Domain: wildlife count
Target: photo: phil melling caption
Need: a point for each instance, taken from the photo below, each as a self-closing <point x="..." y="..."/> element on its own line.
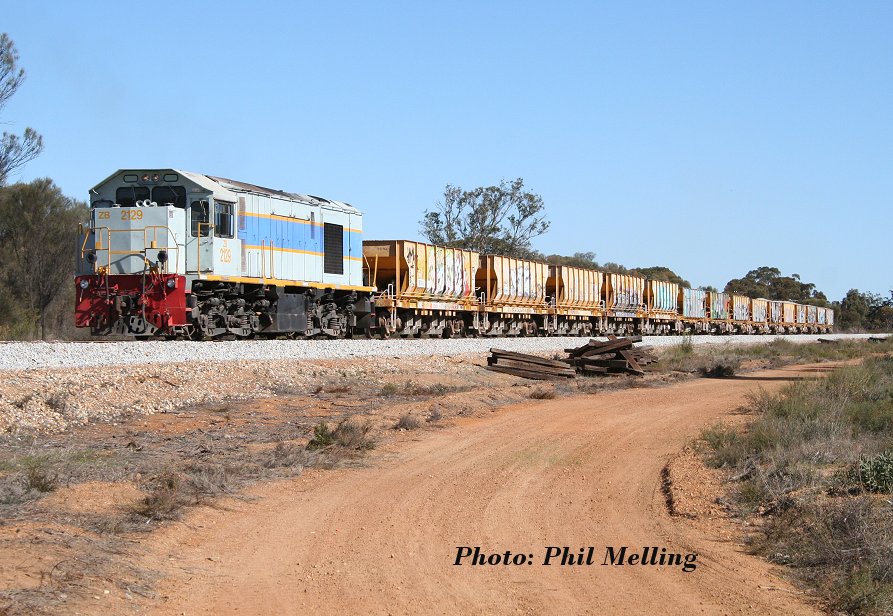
<point x="584" y="556"/>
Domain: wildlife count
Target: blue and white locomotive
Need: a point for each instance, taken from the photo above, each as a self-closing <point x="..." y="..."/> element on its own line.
<point x="173" y="253"/>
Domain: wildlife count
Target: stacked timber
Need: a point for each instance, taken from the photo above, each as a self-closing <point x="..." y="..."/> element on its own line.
<point x="528" y="366"/>
<point x="616" y="356"/>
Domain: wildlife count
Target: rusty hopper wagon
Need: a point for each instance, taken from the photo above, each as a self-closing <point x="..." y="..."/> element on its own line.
<point x="424" y="288"/>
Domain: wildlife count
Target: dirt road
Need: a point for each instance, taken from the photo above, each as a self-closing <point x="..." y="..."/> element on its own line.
<point x="576" y="472"/>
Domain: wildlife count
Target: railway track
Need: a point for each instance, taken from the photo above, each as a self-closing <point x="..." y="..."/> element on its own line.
<point x="78" y="354"/>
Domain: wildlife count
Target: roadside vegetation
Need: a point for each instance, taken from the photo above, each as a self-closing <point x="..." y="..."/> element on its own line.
<point x="813" y="473"/>
<point x="411" y="389"/>
<point x="727" y="359"/>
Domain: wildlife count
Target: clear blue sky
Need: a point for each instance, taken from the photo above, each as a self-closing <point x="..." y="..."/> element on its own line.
<point x="710" y="137"/>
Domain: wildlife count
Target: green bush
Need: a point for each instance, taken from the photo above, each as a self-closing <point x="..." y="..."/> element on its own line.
<point x="350" y="433"/>
<point x="323" y="437"/>
<point x="726" y="443"/>
<point x="876" y="472"/>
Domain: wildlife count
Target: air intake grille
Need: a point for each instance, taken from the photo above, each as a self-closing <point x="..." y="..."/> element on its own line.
<point x="333" y="248"/>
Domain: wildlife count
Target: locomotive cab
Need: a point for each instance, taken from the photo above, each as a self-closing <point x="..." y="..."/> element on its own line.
<point x="134" y="255"/>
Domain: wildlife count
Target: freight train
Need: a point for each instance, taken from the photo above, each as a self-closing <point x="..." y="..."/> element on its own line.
<point x="175" y="254"/>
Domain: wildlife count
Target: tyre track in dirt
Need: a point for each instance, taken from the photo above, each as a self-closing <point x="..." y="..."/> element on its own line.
<point x="581" y="471"/>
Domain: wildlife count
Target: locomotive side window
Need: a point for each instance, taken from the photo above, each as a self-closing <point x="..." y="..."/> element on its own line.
<point x="200" y="218"/>
<point x="127" y="196"/>
<point x="175" y="195"/>
<point x="223" y="218"/>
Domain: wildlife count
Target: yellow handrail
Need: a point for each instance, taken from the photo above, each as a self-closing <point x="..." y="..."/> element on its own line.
<point x="98" y="233"/>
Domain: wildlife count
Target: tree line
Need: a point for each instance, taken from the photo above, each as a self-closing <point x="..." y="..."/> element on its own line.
<point x="38" y="232"/>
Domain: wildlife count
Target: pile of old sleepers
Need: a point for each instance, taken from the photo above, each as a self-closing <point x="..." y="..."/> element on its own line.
<point x="616" y="356"/>
<point x="529" y="366"/>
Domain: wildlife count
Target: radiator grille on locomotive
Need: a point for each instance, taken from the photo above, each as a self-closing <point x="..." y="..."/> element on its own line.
<point x="333" y="247"/>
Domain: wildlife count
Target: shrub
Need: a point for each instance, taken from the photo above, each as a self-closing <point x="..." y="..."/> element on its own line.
<point x="413" y="389"/>
<point x="349" y="433"/>
<point x="207" y="479"/>
<point x="323" y="437"/>
<point x="720" y="370"/>
<point x="407" y="421"/>
<point x="726" y="443"/>
<point x="285" y="455"/>
<point x="876" y="472"/>
<point x="388" y="390"/>
<point x="542" y="393"/>
<point x="354" y="434"/>
<point x="39" y="478"/>
<point x="164" y="501"/>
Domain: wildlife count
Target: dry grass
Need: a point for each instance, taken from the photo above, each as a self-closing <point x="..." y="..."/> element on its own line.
<point x="412" y="389"/>
<point x="350" y="433"/>
<point x="40" y="478"/>
<point x="408" y="421"/>
<point x="542" y="393"/>
<point x="165" y="499"/>
<point x="29" y="476"/>
<point x="726" y="359"/>
<point x="816" y="464"/>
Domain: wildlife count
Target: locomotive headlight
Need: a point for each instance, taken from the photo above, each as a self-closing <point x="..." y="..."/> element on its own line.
<point x="162" y="256"/>
<point x="90" y="257"/>
<point x="171" y="283"/>
<point x="84" y="283"/>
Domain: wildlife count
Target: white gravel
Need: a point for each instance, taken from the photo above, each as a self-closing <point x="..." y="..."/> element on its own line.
<point x="26" y="355"/>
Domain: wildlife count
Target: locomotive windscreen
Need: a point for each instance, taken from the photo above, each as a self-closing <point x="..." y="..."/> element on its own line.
<point x="127" y="196"/>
